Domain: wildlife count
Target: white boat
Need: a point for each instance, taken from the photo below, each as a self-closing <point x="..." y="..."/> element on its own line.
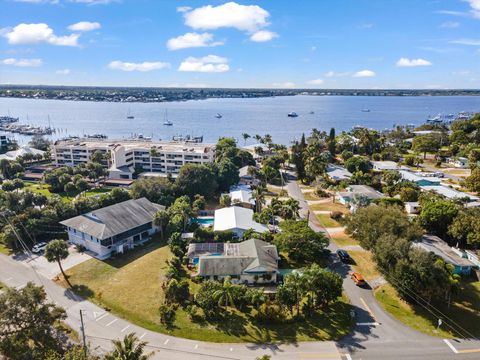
<point x="167" y="122"/>
<point x="292" y="114"/>
<point x="219" y="116"/>
<point x="129" y="115"/>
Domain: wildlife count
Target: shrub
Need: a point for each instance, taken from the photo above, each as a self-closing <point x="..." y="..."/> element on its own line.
<point x="336" y="215"/>
<point x="321" y="193"/>
<point x="192" y="311"/>
<point x="270" y="312"/>
<point x="167" y="314"/>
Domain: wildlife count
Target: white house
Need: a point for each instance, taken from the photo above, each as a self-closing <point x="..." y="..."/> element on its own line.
<point x="15" y="154"/>
<point x="450" y="193"/>
<point x="242" y="197"/>
<point x="459" y="162"/>
<point x="236" y="219"/>
<point x="384" y="165"/>
<point x="345" y="197"/>
<point x="337" y="173"/>
<point x="412" y="207"/>
<point x="113" y="228"/>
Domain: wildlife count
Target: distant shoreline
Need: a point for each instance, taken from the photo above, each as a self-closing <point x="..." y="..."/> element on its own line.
<point x="160" y="95"/>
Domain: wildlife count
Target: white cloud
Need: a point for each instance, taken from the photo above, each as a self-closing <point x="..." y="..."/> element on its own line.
<point x="192" y="39"/>
<point x="471" y="42"/>
<point x="22" y="62"/>
<point x="366" y="26"/>
<point x="263" y="36"/>
<point x="85" y="26"/>
<point x="206" y="64"/>
<point x="144" y="66"/>
<point x="39" y="1"/>
<point x="405" y="62"/>
<point x="475" y="7"/>
<point x="38" y="33"/>
<point x="315" y="82"/>
<point x="63" y="72"/>
<point x="248" y="18"/>
<point x="364" y="74"/>
<point x="330" y="74"/>
<point x="313" y="48"/>
<point x="450" y="24"/>
<point x="182" y="9"/>
<point x="284" y="85"/>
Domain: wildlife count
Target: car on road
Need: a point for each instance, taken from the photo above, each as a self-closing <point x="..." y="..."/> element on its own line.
<point x="344" y="256"/>
<point x="358" y="279"/>
<point x="39" y="247"/>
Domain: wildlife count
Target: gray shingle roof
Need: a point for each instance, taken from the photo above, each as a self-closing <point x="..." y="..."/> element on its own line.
<point x="248" y="256"/>
<point x="115" y="219"/>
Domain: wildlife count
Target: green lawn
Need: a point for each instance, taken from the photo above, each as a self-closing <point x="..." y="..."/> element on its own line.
<point x="364" y="264"/>
<point x="37" y="188"/>
<point x="327" y="221"/>
<point x="465" y="310"/>
<point x="342" y="239"/>
<point x="310" y="195"/>
<point x="97" y="191"/>
<point x="329" y="206"/>
<point x="130" y="286"/>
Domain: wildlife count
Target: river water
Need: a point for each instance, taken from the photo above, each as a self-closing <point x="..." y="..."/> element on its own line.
<point x="252" y="116"/>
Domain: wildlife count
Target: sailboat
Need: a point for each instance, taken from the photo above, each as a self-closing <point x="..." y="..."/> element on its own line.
<point x="167" y="122"/>
<point x="219" y="116"/>
<point x="129" y="115"/>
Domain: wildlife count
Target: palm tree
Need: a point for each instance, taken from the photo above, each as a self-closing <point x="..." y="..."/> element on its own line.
<point x="225" y="294"/>
<point x="161" y="219"/>
<point x="259" y="195"/>
<point x="245" y="138"/>
<point x="291" y="208"/>
<point x="258" y="138"/>
<point x="154" y="152"/>
<point x="130" y="348"/>
<point x="57" y="250"/>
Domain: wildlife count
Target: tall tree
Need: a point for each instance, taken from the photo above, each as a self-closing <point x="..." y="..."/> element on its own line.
<point x="224" y="295"/>
<point x="129" y="348"/>
<point x="245" y="138"/>
<point x="57" y="250"/>
<point x="426" y="143"/>
<point x="161" y="219"/>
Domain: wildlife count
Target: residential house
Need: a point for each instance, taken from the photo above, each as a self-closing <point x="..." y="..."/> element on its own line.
<point x="421" y="178"/>
<point x="246" y="178"/>
<point x="450" y="193"/>
<point x="337" y="173"/>
<point x="113" y="228"/>
<point x="458" y="162"/>
<point x="242" y="197"/>
<point x="454" y="256"/>
<point x="412" y="207"/>
<point x="236" y="219"/>
<point x="15" y="154"/>
<point x="353" y="191"/>
<point x="384" y="165"/>
<point x="248" y="262"/>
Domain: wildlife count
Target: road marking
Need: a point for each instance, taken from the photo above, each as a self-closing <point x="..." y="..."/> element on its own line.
<point x="196" y="346"/>
<point x="322" y="356"/>
<point x="166" y="342"/>
<point x="101" y="316"/>
<point x="141" y="337"/>
<point x="368" y="324"/>
<point x="450" y="346"/>
<point x="467" y="351"/>
<point x="111" y="322"/>
<point x="348" y="356"/>
<point x="231" y="349"/>
<point x="125" y="328"/>
<point x="368" y="308"/>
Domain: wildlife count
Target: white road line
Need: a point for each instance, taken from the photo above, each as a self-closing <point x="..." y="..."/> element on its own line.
<point x="111" y="322"/>
<point x="231" y="349"/>
<point x="368" y="324"/>
<point x="125" y="328"/>
<point x="166" y="342"/>
<point x="348" y="356"/>
<point x="10" y="278"/>
<point x="101" y="317"/>
<point x="196" y="346"/>
<point x="450" y="346"/>
<point x="141" y="337"/>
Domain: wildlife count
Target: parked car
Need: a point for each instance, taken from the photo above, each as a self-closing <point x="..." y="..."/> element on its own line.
<point x="358" y="279"/>
<point x="344" y="256"/>
<point x="39" y="247"/>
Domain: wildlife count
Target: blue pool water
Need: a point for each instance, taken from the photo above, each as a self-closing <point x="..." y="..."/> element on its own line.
<point x="195" y="260"/>
<point x="206" y="221"/>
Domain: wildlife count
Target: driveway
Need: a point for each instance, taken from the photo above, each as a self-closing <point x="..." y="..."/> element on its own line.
<point x="50" y="270"/>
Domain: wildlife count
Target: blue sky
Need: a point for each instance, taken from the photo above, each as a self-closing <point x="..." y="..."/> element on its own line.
<point x="210" y="43"/>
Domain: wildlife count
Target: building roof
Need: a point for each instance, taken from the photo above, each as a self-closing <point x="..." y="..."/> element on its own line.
<point x="448" y="192"/>
<point x="115" y="219"/>
<point x="440" y="248"/>
<point x="385" y="165"/>
<point x="250" y="256"/>
<point x="235" y="217"/>
<point x="14" y="154"/>
<point x="243" y="172"/>
<point x="242" y="196"/>
<point x="364" y="190"/>
<point x="417" y="177"/>
<point x="338" y="173"/>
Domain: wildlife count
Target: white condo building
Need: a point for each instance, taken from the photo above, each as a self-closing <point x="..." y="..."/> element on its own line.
<point x="127" y="155"/>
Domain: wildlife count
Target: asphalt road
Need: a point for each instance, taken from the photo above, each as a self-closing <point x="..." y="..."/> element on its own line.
<point x="376" y="336"/>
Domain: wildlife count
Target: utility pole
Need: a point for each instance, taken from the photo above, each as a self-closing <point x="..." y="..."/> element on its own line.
<point x="83" y="334"/>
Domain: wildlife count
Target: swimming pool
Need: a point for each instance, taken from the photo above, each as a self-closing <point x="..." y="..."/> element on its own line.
<point x="204" y="220"/>
<point x="195" y="260"/>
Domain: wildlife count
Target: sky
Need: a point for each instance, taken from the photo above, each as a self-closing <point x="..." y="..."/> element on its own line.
<point x="328" y="44"/>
